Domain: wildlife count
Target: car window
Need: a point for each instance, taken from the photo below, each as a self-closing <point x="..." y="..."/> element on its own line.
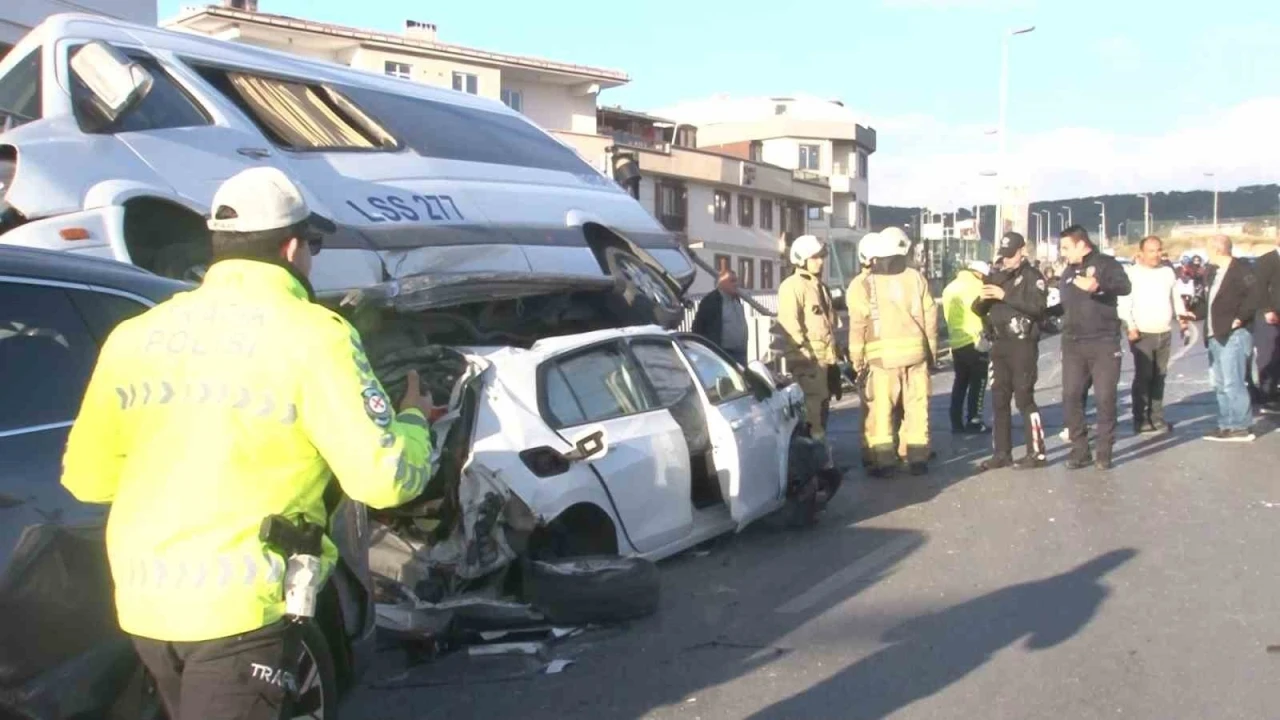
<point x="20" y="92"/>
<point x="299" y="115"/>
<point x="167" y="105"/>
<point x="560" y="401"/>
<point x="664" y="369"/>
<point x="103" y="311"/>
<point x="718" y="377"/>
<point x="601" y="383"/>
<point x="47" y="355"/>
<point x="453" y="132"/>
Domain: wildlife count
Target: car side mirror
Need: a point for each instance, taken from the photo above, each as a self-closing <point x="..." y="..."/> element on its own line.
<point x="116" y="83"/>
<point x="725" y="387"/>
<point x="592" y="445"/>
<point x="761" y="371"/>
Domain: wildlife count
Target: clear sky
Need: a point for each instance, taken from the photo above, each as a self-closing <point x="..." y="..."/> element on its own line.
<point x="1106" y="96"/>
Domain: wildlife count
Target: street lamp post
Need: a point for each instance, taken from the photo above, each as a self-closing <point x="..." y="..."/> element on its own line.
<point x="1001" y="128"/>
<point x="1069" y="221"/>
<point x="1146" y="215"/>
<point x="1215" y="199"/>
<point x="1102" y="226"/>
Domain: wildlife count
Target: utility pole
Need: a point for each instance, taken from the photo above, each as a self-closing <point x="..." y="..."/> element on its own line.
<point x="1069" y="220"/>
<point x="1039" y="228"/>
<point x="1102" y="226"/>
<point x="1002" y="128"/>
<point x="1215" y="199"/>
<point x="1146" y="215"/>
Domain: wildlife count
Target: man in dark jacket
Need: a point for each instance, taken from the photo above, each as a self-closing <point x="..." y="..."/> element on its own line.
<point x="1233" y="303"/>
<point x="1013" y="304"/>
<point x="722" y="319"/>
<point x="1091" y="336"/>
<point x="1266" y="329"/>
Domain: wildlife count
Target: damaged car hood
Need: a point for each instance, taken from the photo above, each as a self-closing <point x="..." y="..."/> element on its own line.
<point x="428" y="292"/>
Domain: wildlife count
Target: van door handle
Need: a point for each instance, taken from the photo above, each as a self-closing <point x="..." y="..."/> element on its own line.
<point x="255" y="153"/>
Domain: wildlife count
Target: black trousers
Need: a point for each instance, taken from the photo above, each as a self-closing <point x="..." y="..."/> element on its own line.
<point x="233" y="678"/>
<point x="1014" y="373"/>
<point x="1150" y="368"/>
<point x="1096" y="361"/>
<point x="969" y="386"/>
<point x="1266" y="341"/>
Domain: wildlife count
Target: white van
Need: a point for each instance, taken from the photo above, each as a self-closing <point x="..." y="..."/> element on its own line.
<point x="116" y="136"/>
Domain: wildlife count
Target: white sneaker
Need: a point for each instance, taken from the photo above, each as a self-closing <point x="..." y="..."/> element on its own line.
<point x="1065" y="435"/>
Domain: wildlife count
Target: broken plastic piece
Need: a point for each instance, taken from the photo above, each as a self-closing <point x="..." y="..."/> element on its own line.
<point x="524" y="648"/>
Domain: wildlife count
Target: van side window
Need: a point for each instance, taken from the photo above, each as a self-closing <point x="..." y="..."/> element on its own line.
<point x="167" y="105"/>
<point x="20" y="92"/>
<point x="456" y="132"/>
<point x="298" y="115"/>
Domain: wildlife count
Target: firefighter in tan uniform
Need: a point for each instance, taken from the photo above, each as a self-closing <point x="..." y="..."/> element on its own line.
<point x="808" y="322"/>
<point x="893" y="338"/>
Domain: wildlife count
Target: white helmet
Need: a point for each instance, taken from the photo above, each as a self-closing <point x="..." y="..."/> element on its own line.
<point x="805" y="247"/>
<point x="869" y="248"/>
<point x="896" y="241"/>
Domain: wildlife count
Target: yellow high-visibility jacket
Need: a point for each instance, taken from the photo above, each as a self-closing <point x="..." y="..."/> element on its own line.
<point x="899" y="328"/>
<point x="808" y="320"/>
<point x="211" y="411"/>
<point x="964" y="327"/>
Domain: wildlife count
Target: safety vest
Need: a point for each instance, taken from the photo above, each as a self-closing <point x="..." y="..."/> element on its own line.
<point x="224" y="405"/>
<point x="893" y="320"/>
<point x="963" y="324"/>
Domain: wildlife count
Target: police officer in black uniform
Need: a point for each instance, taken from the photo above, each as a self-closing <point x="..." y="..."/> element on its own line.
<point x="1013" y="304"/>
<point x="1091" y="336"/>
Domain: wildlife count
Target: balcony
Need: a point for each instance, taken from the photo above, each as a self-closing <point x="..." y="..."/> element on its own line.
<point x="841" y="183"/>
<point x="809" y="176"/>
<point x="621" y="137"/>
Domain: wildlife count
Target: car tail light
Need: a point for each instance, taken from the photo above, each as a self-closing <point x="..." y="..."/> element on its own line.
<point x="544" y="462"/>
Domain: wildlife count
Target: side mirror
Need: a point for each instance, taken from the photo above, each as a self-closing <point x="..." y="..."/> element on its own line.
<point x="590" y="446"/>
<point x="760" y="370"/>
<point x="116" y="83"/>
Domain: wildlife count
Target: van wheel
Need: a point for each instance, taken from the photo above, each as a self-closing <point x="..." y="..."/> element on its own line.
<point x="642" y="295"/>
<point x="316" y="677"/>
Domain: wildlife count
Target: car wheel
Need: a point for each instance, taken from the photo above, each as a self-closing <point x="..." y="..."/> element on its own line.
<point x="600" y="589"/>
<point x="316" y="677"/>
<point x="643" y="295"/>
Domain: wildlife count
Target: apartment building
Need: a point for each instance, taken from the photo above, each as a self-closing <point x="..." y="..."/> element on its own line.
<point x="817" y="139"/>
<point x="734" y="212"/>
<point x="17" y="17"/>
<point x="556" y="95"/>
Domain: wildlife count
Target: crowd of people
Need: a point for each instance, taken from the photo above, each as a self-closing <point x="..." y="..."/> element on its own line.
<point x="996" y="314"/>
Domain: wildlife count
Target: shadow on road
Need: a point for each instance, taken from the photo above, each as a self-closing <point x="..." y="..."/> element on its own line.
<point x="931" y="652"/>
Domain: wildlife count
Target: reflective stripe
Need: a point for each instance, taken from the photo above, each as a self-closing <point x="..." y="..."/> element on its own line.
<point x="246" y="569"/>
<point x="263" y="404"/>
<point x="412" y="418"/>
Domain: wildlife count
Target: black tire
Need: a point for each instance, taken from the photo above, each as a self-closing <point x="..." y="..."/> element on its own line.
<point x="641" y="295"/>
<point x="599" y="589"/>
<point x="316" y="676"/>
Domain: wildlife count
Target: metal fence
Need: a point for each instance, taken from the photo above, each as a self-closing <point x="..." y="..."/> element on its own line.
<point x="760" y="327"/>
<point x="1242" y="230"/>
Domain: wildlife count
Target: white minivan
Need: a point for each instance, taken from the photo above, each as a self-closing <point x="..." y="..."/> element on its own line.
<point x="116" y="136"/>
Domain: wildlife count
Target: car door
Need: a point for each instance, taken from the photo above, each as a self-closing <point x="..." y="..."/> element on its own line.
<point x="749" y="456"/>
<point x="646" y="467"/>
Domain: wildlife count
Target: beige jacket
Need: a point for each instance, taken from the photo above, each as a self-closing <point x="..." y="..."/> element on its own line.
<point x="900" y="328"/>
<point x="808" y="320"/>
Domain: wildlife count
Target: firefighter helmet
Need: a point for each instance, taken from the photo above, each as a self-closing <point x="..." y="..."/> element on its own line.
<point x="805" y="247"/>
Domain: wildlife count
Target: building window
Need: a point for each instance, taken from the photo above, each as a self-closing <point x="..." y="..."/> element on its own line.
<point x="815" y="212"/>
<point x="766" y="274"/>
<point x="756" y="152"/>
<point x="723" y="264"/>
<point x="779" y="109"/>
<point x="670" y="205"/>
<point x="810" y="157"/>
<point x="513" y="99"/>
<point x="723" y="207"/>
<point x="862" y="164"/>
<point x="746" y="210"/>
<point x="861" y="220"/>
<point x="766" y="214"/>
<point x="397" y="69"/>
<point x="466" y="82"/>
<point x="747" y="273"/>
<point x="792" y="219"/>
<point x="687" y="136"/>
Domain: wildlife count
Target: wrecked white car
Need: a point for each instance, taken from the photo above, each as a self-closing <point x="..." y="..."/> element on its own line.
<point x="620" y="442"/>
<point x="114" y="137"/>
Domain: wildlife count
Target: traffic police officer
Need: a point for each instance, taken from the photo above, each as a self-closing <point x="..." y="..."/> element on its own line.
<point x="893" y="339"/>
<point x="1013" y="303"/>
<point x="808" y="323"/>
<point x="225" y="406"/>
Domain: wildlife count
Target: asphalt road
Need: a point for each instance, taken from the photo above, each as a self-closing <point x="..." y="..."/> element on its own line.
<point x="1149" y="591"/>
